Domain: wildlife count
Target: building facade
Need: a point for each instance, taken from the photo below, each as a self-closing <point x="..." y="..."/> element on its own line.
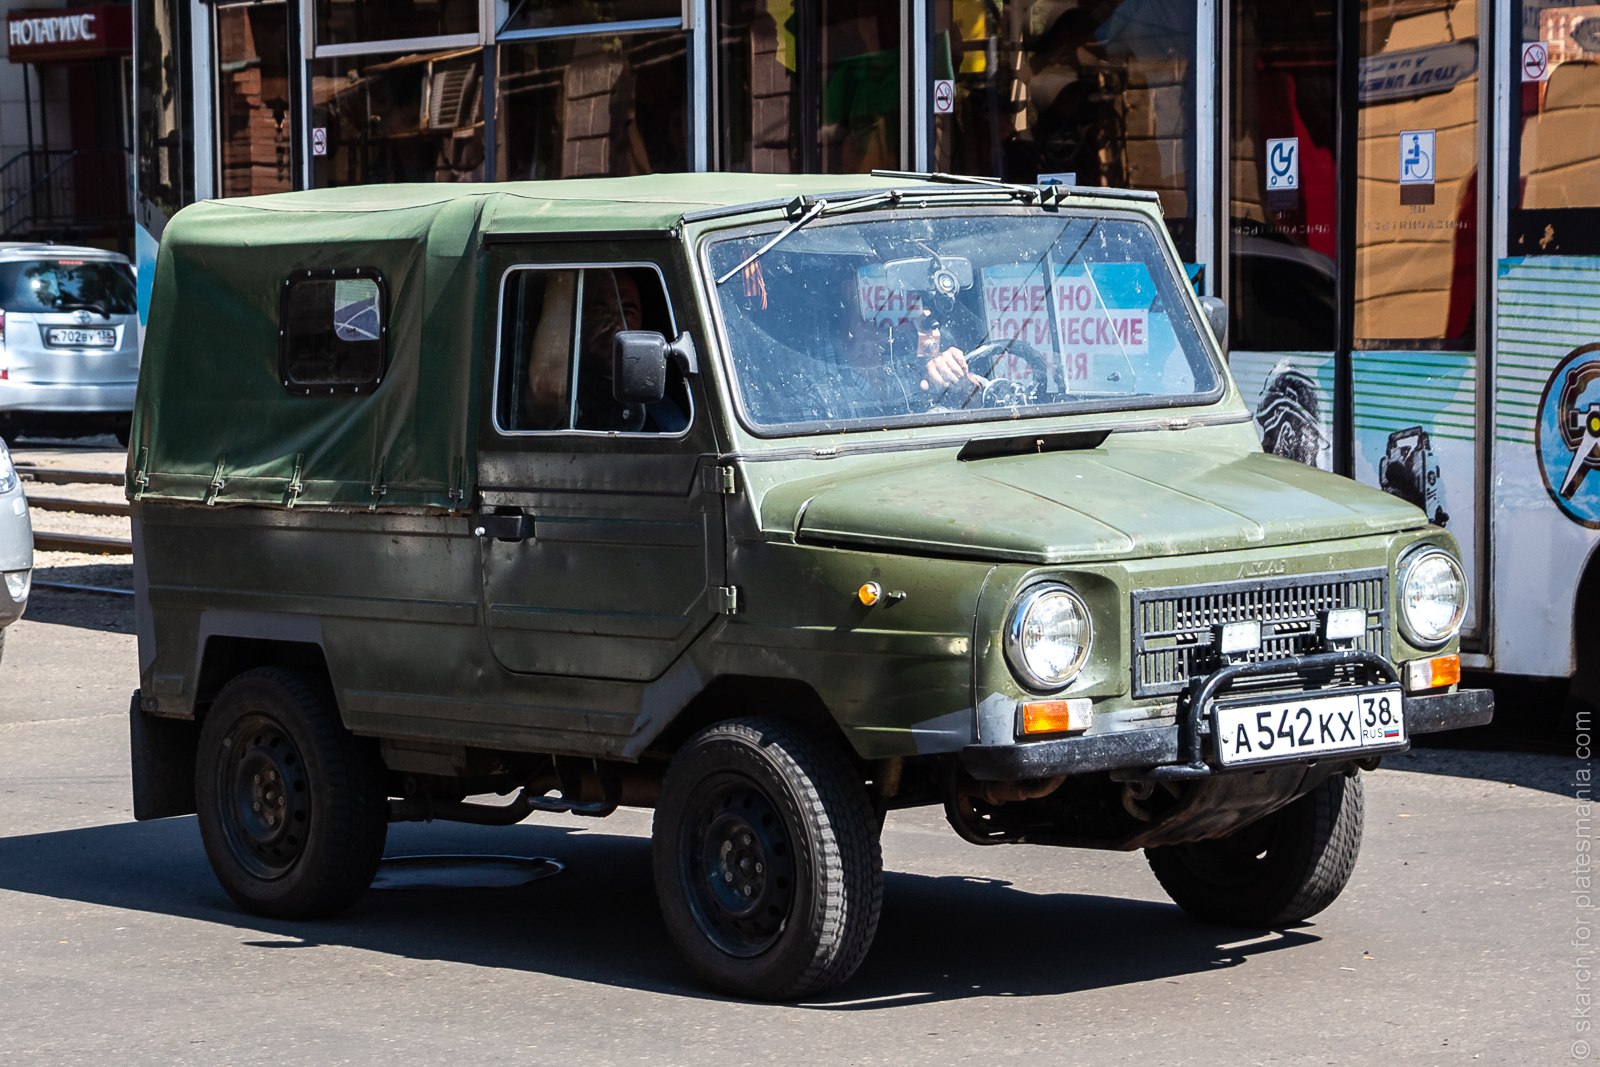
<point x="66" y="81"/>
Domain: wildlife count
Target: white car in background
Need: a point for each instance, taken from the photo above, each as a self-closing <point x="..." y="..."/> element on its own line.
<point x="69" y="341"/>
<point x="16" y="546"/>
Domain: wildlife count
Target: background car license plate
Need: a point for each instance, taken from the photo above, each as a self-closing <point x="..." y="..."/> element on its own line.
<point x="1305" y="725"/>
<point x="102" y="338"/>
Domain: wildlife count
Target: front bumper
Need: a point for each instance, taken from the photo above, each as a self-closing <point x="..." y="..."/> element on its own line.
<point x="1162" y="747"/>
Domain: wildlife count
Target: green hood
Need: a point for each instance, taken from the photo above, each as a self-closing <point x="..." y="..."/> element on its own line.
<point x="1136" y="496"/>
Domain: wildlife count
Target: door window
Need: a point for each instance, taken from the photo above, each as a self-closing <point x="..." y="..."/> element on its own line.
<point x="557" y="330"/>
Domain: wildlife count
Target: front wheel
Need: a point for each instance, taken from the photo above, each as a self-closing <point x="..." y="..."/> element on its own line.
<point x="291" y="806"/>
<point x="1278" y="870"/>
<point x="767" y="861"/>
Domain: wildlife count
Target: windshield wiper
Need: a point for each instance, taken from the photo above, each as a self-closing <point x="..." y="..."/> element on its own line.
<point x="804" y="209"/>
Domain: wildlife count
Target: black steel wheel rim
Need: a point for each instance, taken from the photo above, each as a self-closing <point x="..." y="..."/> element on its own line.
<point x="737" y="859"/>
<point x="263" y="797"/>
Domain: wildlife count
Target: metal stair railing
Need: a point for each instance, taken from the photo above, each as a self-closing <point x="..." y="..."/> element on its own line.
<point x="62" y="188"/>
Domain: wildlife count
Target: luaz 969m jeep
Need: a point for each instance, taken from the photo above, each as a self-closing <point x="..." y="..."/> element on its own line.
<point x="772" y="504"/>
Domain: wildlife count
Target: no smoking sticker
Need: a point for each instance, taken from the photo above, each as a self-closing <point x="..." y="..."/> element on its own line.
<point x="1536" y="62"/>
<point x="944" y="96"/>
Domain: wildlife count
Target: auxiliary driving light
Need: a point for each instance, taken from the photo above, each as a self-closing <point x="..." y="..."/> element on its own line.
<point x="1344" y="624"/>
<point x="1240" y="636"/>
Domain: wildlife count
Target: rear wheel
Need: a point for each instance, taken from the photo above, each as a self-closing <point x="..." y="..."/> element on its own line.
<point x="1275" y="871"/>
<point x="291" y="806"/>
<point x="767" y="861"/>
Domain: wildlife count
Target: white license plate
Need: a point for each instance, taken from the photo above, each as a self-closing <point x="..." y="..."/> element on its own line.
<point x="1308" y="725"/>
<point x="81" y="338"/>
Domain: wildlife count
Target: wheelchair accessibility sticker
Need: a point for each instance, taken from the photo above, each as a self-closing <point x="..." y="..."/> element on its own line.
<point x="1567" y="435"/>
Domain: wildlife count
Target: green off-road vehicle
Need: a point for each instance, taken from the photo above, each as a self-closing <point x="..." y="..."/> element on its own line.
<point x="770" y="503"/>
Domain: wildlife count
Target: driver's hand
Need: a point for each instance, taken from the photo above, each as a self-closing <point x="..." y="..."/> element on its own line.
<point x="944" y="367"/>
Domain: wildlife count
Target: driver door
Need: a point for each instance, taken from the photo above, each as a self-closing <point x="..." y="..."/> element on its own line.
<point x="601" y="543"/>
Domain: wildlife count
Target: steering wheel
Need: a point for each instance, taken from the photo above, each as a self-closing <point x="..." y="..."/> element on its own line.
<point x="1005" y="392"/>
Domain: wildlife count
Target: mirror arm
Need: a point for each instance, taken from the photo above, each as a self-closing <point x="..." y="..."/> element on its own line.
<point x="682" y="353"/>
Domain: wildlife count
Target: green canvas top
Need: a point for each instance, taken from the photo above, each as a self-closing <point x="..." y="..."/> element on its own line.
<point x="213" y="421"/>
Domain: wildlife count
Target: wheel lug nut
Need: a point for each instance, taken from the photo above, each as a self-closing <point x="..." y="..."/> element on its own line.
<point x="727" y="876"/>
<point x="745" y="840"/>
<point x="256" y="779"/>
<point x="747" y="890"/>
<point x="759" y="868"/>
<point x="256" y="806"/>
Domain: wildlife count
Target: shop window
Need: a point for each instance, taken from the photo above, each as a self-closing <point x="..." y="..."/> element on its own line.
<point x="808" y="87"/>
<point x="334" y="332"/>
<point x="557" y="329"/>
<point x="1095" y="94"/>
<point x="1416" y="239"/>
<point x="411" y="118"/>
<point x="1555" y="176"/>
<point x="1283" y="192"/>
<point x="592" y="106"/>
<point x="253" y="100"/>
<point x="345" y="22"/>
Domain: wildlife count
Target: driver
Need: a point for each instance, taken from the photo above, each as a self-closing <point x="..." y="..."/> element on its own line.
<point x="872" y="379"/>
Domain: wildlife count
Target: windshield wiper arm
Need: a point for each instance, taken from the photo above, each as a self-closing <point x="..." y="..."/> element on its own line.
<point x="808" y="209"/>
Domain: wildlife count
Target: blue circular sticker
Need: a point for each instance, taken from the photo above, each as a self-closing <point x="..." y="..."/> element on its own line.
<point x="1567" y="436"/>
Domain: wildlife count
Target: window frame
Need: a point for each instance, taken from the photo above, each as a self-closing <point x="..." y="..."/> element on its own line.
<point x="576" y="353"/>
<point x="333" y="274"/>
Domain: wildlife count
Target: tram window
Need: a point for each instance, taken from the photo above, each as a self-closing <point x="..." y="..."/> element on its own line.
<point x="809" y="87"/>
<point x="1101" y="95"/>
<point x="409" y="118"/>
<point x="602" y="105"/>
<point x="1555" y="185"/>
<point x="1416" y="235"/>
<point x="165" y="107"/>
<point x="389" y="20"/>
<point x="1284" y="191"/>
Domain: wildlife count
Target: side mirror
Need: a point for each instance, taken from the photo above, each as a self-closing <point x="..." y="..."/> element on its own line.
<point x="1217" y="316"/>
<point x="639" y="364"/>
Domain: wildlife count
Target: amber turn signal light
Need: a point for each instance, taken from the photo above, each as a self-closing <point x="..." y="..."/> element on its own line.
<point x="1056" y="716"/>
<point x="1435" y="673"/>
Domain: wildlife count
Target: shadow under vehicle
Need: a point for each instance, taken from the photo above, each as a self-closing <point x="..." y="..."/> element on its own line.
<point x="769" y="503"/>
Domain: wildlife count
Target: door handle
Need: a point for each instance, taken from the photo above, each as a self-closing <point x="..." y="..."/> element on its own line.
<point x="508" y="526"/>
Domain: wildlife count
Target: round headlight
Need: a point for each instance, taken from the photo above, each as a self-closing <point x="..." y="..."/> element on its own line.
<point x="1433" y="597"/>
<point x="1048" y="636"/>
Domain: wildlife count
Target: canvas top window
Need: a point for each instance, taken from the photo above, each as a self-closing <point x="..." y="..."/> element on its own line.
<point x="335" y="332"/>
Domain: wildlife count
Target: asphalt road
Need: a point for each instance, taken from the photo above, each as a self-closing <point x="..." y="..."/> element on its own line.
<point x="1452" y="945"/>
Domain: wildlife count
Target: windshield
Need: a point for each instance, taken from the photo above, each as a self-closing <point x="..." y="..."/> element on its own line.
<point x="860" y="322"/>
<point x="67" y="285"/>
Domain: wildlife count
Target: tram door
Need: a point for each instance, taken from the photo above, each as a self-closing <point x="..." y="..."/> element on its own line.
<point x="1354" y="275"/>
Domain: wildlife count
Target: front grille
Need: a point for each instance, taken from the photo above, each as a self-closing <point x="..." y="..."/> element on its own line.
<point x="1175" y="630"/>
